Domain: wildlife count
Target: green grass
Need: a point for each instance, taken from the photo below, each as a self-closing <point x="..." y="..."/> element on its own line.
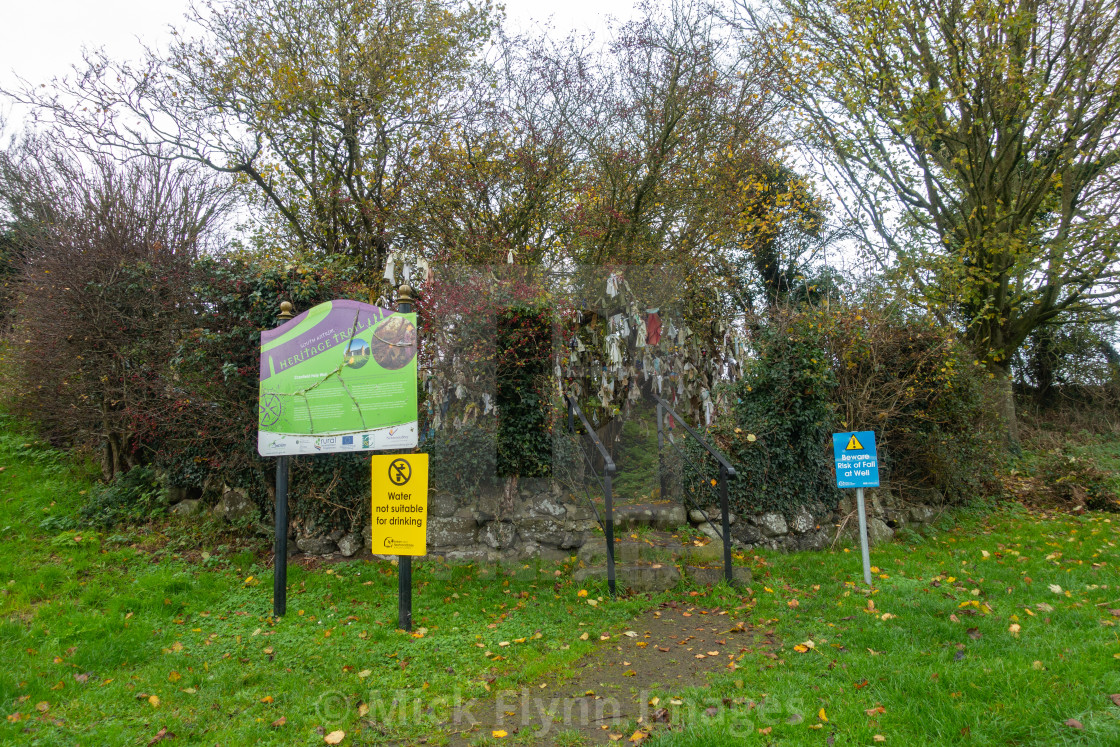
<point x="198" y="635"/>
<point x="936" y="683"/>
<point x="92" y="628"/>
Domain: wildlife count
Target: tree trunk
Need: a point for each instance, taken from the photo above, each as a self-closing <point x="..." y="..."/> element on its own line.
<point x="1005" y="406"/>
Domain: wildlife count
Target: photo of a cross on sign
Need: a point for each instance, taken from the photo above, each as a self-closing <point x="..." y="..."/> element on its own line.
<point x="400" y="471"/>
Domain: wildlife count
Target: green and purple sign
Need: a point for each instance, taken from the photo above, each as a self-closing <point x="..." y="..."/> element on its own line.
<point x="339" y="377"/>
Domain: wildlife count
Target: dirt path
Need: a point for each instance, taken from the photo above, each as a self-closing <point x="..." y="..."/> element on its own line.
<point x="641" y="673"/>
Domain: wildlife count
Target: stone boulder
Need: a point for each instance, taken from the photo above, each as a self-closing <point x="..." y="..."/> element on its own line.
<point x="188" y="507"/>
<point x="802" y="521"/>
<point x="452" y="531"/>
<point x="234" y="505"/>
<point x="711" y="531"/>
<point x="878" y="531"/>
<point x="316" y="544"/>
<point x="922" y="514"/>
<point x="745" y="534"/>
<point x="772" y="524"/>
<point x="349" y="544"/>
<point x="498" y="534"/>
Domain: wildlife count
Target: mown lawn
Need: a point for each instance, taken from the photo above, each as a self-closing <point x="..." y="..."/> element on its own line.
<point x="108" y="640"/>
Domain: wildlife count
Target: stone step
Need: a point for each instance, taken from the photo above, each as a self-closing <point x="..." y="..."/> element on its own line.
<point x="638" y="577"/>
<point x="653" y="515"/>
<point x="630" y="551"/>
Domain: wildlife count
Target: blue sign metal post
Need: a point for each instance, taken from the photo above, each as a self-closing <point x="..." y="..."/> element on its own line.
<point x="857" y="466"/>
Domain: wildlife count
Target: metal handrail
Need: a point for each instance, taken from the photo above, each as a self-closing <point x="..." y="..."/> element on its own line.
<point x="607" y="522"/>
<point x="726" y="472"/>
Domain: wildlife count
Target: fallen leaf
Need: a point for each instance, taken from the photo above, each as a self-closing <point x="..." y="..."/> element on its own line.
<point x="765" y="730"/>
<point x="974" y="634"/>
<point x="638" y="736"/>
<point x="875" y="711"/>
<point x="822" y="716"/>
<point x="279" y="722"/>
<point x="1115" y="699"/>
<point x="363" y="710"/>
<point x="266" y="699"/>
<point x="499" y="733"/>
<point x="174" y="676"/>
<point x="879" y="738"/>
<point x="161" y="735"/>
<point x="1057" y="590"/>
<point x="1013" y="629"/>
<point x="630" y="634"/>
<point x="154" y="700"/>
<point x="660" y="716"/>
<point x="42" y="706"/>
<point x="584" y="637"/>
<point x="1073" y="723"/>
<point x="335" y="737"/>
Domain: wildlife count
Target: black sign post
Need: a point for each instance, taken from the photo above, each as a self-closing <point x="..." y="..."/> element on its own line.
<point x="280" y="552"/>
<point x="404" y="562"/>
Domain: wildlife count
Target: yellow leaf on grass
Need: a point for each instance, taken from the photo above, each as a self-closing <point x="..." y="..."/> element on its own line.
<point x="154" y="700"/>
<point x="174" y="676"/>
<point x="363" y="710"/>
<point x="1013" y="629"/>
<point x="638" y="736"/>
<point x="821" y="715"/>
<point x="499" y="733"/>
<point x="879" y="738"/>
<point x="266" y="699"/>
<point x="581" y="593"/>
<point x="800" y="648"/>
<point x="335" y="737"/>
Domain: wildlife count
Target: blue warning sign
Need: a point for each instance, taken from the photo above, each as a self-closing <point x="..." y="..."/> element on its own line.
<point x="857" y="464"/>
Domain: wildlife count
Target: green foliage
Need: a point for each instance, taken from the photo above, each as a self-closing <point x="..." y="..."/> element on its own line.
<point x="927" y="399"/>
<point x="815" y="372"/>
<point x="132" y="497"/>
<point x="463" y="460"/>
<point x="778" y="432"/>
<point x="525" y="411"/>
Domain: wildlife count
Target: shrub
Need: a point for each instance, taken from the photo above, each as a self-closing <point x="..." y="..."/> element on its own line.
<point x="778" y="427"/>
<point x="815" y="372"/>
<point x="132" y="497"/>
<point x="926" y="397"/>
<point x="210" y="433"/>
<point x="101" y="296"/>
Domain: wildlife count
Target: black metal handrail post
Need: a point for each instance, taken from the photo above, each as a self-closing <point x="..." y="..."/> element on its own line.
<point x="726" y="471"/>
<point x="608" y="498"/>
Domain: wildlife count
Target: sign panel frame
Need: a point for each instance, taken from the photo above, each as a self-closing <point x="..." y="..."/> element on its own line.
<point x="340" y="377"/>
<point x="856" y="459"/>
<point x="399" y="504"/>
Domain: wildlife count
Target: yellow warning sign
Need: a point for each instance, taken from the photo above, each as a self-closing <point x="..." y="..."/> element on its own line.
<point x="400" y="504"/>
<point x="853" y="444"/>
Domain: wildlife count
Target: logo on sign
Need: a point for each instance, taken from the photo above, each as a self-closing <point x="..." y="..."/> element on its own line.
<point x="400" y="472"/>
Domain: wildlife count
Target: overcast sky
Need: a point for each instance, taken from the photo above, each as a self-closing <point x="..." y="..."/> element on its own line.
<point x="40" y="39"/>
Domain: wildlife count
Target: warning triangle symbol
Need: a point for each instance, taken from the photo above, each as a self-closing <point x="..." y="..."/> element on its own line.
<point x="853" y="444"/>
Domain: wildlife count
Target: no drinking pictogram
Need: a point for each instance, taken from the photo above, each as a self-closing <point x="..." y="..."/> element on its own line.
<point x="400" y="472"/>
